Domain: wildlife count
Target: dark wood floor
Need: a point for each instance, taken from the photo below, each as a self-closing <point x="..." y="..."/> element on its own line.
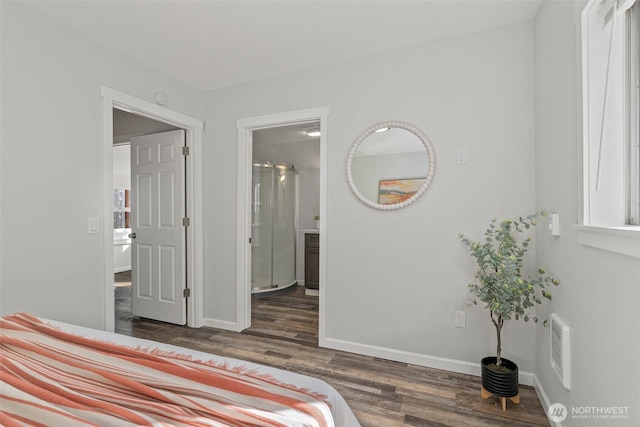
<point x="381" y="393"/>
<point x="288" y="315"/>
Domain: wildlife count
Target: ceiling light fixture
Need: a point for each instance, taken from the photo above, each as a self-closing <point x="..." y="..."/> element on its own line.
<point x="313" y="132"/>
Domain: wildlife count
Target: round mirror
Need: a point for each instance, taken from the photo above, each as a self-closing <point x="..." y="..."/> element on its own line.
<point x="390" y="165"/>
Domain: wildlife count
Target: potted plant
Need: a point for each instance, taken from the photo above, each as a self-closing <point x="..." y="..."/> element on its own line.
<point x="316" y="218"/>
<point x="507" y="292"/>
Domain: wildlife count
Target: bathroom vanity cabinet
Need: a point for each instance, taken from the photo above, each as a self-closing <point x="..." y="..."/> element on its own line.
<point x="312" y="260"/>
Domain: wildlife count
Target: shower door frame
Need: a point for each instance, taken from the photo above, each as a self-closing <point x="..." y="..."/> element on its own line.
<point x="245" y="127"/>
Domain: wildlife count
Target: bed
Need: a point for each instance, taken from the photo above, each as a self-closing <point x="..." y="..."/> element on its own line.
<point x="54" y="373"/>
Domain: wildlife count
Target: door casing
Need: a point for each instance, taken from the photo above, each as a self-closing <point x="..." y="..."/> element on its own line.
<point x="246" y="127"/>
<point x="193" y="135"/>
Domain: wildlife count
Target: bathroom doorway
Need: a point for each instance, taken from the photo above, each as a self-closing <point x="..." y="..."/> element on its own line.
<point x="285" y="199"/>
<point x="250" y="130"/>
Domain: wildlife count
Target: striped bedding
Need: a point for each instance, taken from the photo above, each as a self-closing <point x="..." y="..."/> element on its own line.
<point x="50" y="377"/>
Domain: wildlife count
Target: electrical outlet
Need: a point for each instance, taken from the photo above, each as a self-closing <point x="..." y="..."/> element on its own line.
<point x="461" y="156"/>
<point x="461" y="319"/>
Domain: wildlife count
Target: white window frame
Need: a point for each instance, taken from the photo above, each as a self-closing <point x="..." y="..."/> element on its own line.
<point x="632" y="124"/>
<point x="610" y="129"/>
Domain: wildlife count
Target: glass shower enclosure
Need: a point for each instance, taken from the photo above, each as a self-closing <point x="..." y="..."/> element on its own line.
<point x="273" y="228"/>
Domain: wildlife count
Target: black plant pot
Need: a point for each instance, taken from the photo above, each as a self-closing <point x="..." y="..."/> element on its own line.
<point x="501" y="384"/>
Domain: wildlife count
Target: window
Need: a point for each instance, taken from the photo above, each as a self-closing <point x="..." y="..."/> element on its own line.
<point x="611" y="70"/>
<point x="611" y="123"/>
<point x="121" y="208"/>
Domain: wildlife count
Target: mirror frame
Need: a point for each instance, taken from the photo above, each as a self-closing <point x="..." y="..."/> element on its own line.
<point x="430" y="154"/>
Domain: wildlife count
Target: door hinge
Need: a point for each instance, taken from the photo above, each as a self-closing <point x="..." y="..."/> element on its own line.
<point x="186" y="292"/>
<point x="186" y="222"/>
<point x="185" y="150"/>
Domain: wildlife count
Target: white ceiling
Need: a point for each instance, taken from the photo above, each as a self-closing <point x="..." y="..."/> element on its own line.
<point x="210" y="44"/>
<point x="288" y="145"/>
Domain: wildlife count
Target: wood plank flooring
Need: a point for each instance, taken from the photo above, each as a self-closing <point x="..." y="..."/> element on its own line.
<point x="381" y="393"/>
<point x="288" y="315"/>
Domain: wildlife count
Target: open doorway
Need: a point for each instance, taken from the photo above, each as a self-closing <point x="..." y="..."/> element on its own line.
<point x="191" y="130"/>
<point x="126" y="126"/>
<point x="285" y="199"/>
<point x="248" y="129"/>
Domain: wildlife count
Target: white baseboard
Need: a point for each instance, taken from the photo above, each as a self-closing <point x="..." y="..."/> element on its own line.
<point x="544" y="399"/>
<point x="460" y="366"/>
<point x="121" y="269"/>
<point x="221" y="324"/>
<point x="453" y="365"/>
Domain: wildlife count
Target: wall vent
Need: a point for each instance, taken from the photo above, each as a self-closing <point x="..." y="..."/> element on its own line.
<point x="561" y="349"/>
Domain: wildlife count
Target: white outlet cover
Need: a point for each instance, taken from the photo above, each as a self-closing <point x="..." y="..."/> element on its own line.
<point x="460" y="319"/>
<point x="461" y="156"/>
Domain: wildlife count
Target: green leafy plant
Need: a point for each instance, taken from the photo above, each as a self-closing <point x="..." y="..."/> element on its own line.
<point x="316" y="217"/>
<point x="500" y="283"/>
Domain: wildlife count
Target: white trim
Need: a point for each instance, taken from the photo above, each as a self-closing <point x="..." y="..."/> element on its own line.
<point x="544" y="399"/>
<point x="107" y="211"/>
<point x="125" y="139"/>
<point x="243" y="259"/>
<point x="220" y="324"/>
<point x="632" y="107"/>
<point x="435" y="362"/>
<point x="193" y="131"/>
<point x="620" y="240"/>
<point x="587" y="184"/>
<point x="625" y="5"/>
<point x="243" y="231"/>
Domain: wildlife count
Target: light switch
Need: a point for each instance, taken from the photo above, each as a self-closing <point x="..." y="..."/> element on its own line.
<point x="94" y="225"/>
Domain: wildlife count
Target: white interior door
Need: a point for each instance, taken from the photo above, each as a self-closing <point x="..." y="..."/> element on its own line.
<point x="158" y="276"/>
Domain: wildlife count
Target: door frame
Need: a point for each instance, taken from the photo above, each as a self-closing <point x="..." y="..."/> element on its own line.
<point x="246" y="126"/>
<point x="193" y="138"/>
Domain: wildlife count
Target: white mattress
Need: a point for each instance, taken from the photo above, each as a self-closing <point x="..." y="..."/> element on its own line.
<point x="342" y="414"/>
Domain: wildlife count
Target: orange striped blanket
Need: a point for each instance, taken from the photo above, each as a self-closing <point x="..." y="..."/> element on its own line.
<point x="53" y="378"/>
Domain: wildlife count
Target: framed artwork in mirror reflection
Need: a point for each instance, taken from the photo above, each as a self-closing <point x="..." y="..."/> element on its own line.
<point x="392" y="191"/>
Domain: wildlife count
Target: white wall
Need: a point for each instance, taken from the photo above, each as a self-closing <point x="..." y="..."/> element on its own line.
<point x="394" y="279"/>
<point x="52" y="160"/>
<point x="122" y="166"/>
<point x="600" y="290"/>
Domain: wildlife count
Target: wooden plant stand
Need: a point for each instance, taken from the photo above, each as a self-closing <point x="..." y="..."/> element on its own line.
<point x="485" y="394"/>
